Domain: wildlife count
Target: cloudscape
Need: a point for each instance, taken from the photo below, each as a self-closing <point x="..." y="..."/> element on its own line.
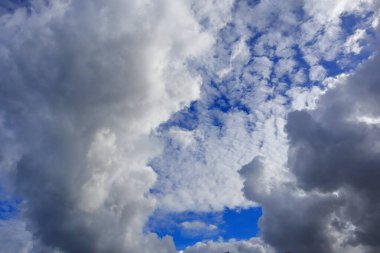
<point x="189" y="126"/>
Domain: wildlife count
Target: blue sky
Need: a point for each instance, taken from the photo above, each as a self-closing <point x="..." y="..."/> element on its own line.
<point x="218" y="100"/>
<point x="229" y="224"/>
<point x="131" y="128"/>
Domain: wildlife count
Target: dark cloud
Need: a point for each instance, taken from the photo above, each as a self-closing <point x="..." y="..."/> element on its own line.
<point x="336" y="149"/>
<point x="330" y="202"/>
<point x="290" y="221"/>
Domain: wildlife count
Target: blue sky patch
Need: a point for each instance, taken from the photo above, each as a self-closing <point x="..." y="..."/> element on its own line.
<point x="230" y="224"/>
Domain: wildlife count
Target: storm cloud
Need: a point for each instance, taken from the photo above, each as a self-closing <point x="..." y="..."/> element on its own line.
<point x="335" y="150"/>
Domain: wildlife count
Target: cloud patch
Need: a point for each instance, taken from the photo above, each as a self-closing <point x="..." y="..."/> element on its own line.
<point x="83" y="86"/>
<point x="329" y="200"/>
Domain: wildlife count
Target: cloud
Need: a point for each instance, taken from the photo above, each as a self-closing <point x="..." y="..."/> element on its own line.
<point x="14" y="237"/>
<point x="196" y="228"/>
<point x="83" y="86"/>
<point x="328" y="199"/>
<point x="253" y="245"/>
<point x="333" y="151"/>
<point x="270" y="58"/>
<point x="291" y="221"/>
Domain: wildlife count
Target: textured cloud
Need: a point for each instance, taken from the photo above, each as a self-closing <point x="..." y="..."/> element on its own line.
<point x="325" y="199"/>
<point x="83" y="85"/>
<point x="254" y="245"/>
<point x="330" y="201"/>
<point x="270" y="58"/>
<point x="334" y="151"/>
<point x="291" y="221"/>
<point x="14" y="237"/>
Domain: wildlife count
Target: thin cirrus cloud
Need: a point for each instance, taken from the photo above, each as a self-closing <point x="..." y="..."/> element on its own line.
<point x="120" y="114"/>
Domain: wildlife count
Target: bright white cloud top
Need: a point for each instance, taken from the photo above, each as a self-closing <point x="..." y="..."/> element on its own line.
<point x="116" y="112"/>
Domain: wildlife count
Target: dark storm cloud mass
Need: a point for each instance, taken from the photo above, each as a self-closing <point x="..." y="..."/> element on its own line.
<point x="289" y="222"/>
<point x="331" y="202"/>
<point x="336" y="148"/>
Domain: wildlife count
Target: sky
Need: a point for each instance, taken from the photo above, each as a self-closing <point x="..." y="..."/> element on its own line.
<point x="189" y="126"/>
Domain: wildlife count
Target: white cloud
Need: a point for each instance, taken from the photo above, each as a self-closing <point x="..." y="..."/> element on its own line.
<point x="198" y="228"/>
<point x="353" y="43"/>
<point x="85" y="83"/>
<point x="252" y="72"/>
<point x="253" y="245"/>
<point x="317" y="73"/>
<point x="83" y="86"/>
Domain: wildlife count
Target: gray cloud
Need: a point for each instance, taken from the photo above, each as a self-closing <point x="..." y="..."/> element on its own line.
<point x="335" y="149"/>
<point x="329" y="202"/>
<point x="83" y="86"/>
<point x="14" y="237"/>
<point x="286" y="222"/>
<point x="268" y="55"/>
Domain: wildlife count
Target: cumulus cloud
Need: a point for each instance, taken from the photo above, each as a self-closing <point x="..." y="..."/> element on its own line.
<point x="269" y="59"/>
<point x="329" y="200"/>
<point x="334" y="151"/>
<point x="83" y="86"/>
<point x="14" y="237"/>
<point x="253" y="245"/>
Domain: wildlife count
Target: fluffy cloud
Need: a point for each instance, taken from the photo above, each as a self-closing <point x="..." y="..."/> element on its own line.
<point x="253" y="245"/>
<point x="196" y="228"/>
<point x="329" y="201"/>
<point x="325" y="199"/>
<point x="14" y="237"/>
<point x="83" y="85"/>
<point x="269" y="59"/>
<point x="334" y="151"/>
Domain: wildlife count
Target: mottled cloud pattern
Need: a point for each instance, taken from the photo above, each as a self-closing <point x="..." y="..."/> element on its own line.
<point x="116" y="112"/>
<point x="332" y="202"/>
<point x="271" y="57"/>
<point x="325" y="197"/>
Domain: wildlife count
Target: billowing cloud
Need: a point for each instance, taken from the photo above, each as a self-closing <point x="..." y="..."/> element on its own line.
<point x="254" y="245"/>
<point x="87" y="86"/>
<point x="335" y="152"/>
<point x="84" y="83"/>
<point x="329" y="201"/>
<point x="14" y="237"/>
